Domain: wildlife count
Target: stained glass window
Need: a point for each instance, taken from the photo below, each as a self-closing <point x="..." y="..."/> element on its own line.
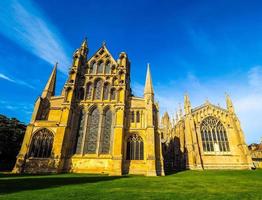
<point x="214" y="136"/>
<point x="135" y="148"/>
<point x="106" y="91"/>
<point x="106" y="132"/>
<point x="80" y="132"/>
<point x="92" y="131"/>
<point x="100" y="68"/>
<point x="42" y="144"/>
<point x="107" y="70"/>
<point x="88" y="91"/>
<point x="98" y="88"/>
<point x="113" y="94"/>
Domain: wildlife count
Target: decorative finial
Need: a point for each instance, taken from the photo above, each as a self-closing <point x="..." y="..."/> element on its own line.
<point x="103" y="43"/>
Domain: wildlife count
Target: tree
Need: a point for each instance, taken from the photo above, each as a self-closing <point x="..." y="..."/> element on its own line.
<point x="11" y="137"/>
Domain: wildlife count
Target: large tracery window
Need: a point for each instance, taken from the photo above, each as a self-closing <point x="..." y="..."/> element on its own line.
<point x="135" y="148"/>
<point x="106" y="132"/>
<point x="92" y="131"/>
<point x="98" y="89"/>
<point x="214" y="136"/>
<point x="42" y="143"/>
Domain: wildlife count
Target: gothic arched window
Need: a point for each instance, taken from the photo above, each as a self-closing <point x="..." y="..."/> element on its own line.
<point x="93" y="68"/>
<point x="100" y="68"/>
<point x="92" y="131"/>
<point x="98" y="89"/>
<point x="113" y="94"/>
<point x="106" y="91"/>
<point x="135" y="148"/>
<point x="107" y="69"/>
<point x="41" y="144"/>
<point x="214" y="136"/>
<point x="88" y="91"/>
<point x="137" y="116"/>
<point x="80" y="132"/>
<point x="132" y="116"/>
<point x="106" y="132"/>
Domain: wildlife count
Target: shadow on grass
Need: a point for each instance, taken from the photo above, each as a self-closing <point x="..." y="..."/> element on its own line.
<point x="17" y="183"/>
<point x="170" y="173"/>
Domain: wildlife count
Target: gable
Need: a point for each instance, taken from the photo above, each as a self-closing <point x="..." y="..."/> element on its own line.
<point x="207" y="110"/>
<point x="102" y="55"/>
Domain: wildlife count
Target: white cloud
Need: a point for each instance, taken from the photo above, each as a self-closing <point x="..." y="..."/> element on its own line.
<point x="21" y="107"/>
<point x="246" y="94"/>
<point x="24" y="23"/>
<point x="19" y="82"/>
<point x="2" y="76"/>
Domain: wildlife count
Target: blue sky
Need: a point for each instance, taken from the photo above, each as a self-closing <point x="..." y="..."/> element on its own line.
<point x="204" y="48"/>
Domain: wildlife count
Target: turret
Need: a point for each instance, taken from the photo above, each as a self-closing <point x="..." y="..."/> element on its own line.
<point x="148" y="91"/>
<point x="165" y="121"/>
<point x="49" y="89"/>
<point x="180" y="112"/>
<point x="187" y="105"/>
<point x="76" y="71"/>
<point x="229" y="103"/>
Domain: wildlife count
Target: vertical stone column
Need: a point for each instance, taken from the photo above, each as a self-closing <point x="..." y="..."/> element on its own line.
<point x="117" y="149"/>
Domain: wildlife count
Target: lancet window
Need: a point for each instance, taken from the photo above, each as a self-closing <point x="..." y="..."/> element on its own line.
<point x="98" y="89"/>
<point x="92" y="131"/>
<point x="106" y="132"/>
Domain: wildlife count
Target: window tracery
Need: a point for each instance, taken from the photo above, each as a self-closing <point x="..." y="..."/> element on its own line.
<point x="106" y="132"/>
<point x="92" y="131"/>
<point x="41" y="144"/>
<point x="135" y="148"/>
<point x="98" y="89"/>
<point x="214" y="136"/>
<point x="106" y="91"/>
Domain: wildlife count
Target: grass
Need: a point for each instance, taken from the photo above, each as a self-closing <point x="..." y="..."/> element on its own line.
<point x="182" y="185"/>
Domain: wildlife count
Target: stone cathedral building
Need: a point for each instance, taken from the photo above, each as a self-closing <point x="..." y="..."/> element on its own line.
<point x="206" y="137"/>
<point x="96" y="125"/>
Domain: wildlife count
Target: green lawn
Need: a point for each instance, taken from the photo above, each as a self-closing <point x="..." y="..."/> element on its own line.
<point x="182" y="185"/>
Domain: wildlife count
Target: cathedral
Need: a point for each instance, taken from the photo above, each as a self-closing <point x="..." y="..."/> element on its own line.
<point x="96" y="125"/>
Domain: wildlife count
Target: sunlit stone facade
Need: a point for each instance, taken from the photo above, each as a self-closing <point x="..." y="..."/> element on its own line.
<point x="205" y="137"/>
<point x="96" y="125"/>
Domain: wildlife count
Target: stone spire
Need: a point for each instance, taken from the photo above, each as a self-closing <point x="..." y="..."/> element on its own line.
<point x="187" y="104"/>
<point x="229" y="103"/>
<point x="148" y="86"/>
<point x="84" y="47"/>
<point x="180" y="112"/>
<point x="50" y="85"/>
